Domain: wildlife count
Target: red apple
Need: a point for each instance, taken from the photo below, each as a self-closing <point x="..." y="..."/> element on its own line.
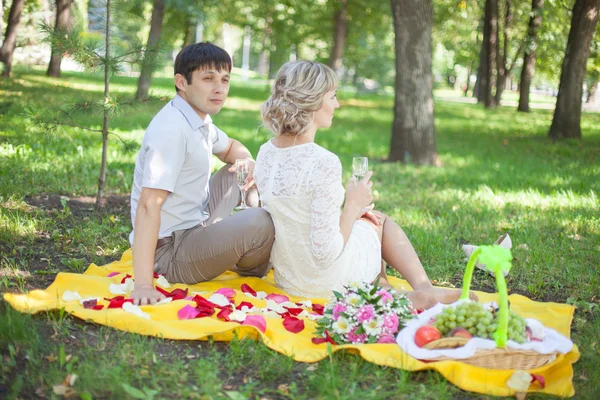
<point x="460" y="332"/>
<point x="426" y="334"/>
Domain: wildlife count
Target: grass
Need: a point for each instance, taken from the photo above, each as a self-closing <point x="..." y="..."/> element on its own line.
<point x="501" y="175"/>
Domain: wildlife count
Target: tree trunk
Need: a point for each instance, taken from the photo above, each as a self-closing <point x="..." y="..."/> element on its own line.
<point x="413" y="130"/>
<point x="477" y="91"/>
<point x="10" y="37"/>
<point x="503" y="69"/>
<point x="340" y="32"/>
<point x="490" y="36"/>
<point x="102" y="177"/>
<point x="567" y="114"/>
<point x="158" y="13"/>
<point x="468" y="83"/>
<point x="189" y="32"/>
<point x="528" y="70"/>
<point x="591" y="94"/>
<point x="63" y="22"/>
<point x="1" y="21"/>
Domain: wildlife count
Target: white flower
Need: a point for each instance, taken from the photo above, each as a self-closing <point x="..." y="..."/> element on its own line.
<point x="342" y="325"/>
<point x="219" y="300"/>
<point x="354" y="300"/>
<point x="135" y="310"/>
<point x="70" y="296"/>
<point x="163" y="282"/>
<point x="237" y="315"/>
<point x="354" y="285"/>
<point x="373" y="327"/>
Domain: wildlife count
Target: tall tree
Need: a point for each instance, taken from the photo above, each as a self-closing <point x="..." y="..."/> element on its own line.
<point x="490" y="37"/>
<point x="340" y="33"/>
<point x="528" y="70"/>
<point x="151" y="51"/>
<point x="63" y="20"/>
<point x="567" y="114"/>
<point x="413" y="130"/>
<point x="10" y="37"/>
<point x="505" y="66"/>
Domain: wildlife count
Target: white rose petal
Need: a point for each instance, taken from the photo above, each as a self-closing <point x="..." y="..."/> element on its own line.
<point x="250" y="295"/>
<point x="272" y="305"/>
<point x="520" y="381"/>
<point x="304" y="314"/>
<point x="306" y="303"/>
<point x="135" y="310"/>
<point x="163" y="282"/>
<point x="268" y="313"/>
<point x="117" y="288"/>
<point x="237" y="315"/>
<point x="219" y="300"/>
<point x="70" y="296"/>
<point x="164" y="301"/>
<point x="261" y="295"/>
<point x="288" y="304"/>
<point x="128" y="285"/>
<point x="247" y="309"/>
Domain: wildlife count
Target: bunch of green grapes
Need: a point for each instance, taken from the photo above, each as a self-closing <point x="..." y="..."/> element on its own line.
<point x="478" y="321"/>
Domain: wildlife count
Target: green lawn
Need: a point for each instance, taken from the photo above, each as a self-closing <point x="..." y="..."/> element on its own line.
<point x="501" y="175"/>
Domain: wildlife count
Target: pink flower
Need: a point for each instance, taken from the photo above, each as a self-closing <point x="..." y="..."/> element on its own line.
<point x="338" y="309"/>
<point x="386" y="338"/>
<point x="354" y="338"/>
<point x="365" y="313"/>
<point x="390" y="323"/>
<point x="386" y="296"/>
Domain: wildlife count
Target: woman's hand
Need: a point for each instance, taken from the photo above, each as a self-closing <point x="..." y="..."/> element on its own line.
<point x="359" y="195"/>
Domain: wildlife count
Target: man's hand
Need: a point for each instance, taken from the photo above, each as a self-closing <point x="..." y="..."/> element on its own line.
<point x="250" y="178"/>
<point x="146" y="294"/>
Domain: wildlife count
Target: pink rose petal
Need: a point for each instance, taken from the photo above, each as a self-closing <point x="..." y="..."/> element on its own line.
<point x="112" y="274"/>
<point x="277" y="298"/>
<point x="187" y="312"/>
<point x="227" y="292"/>
<point x="257" y="321"/>
<point x="386" y="338"/>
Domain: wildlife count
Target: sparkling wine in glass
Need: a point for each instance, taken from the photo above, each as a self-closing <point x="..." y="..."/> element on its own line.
<point x="241" y="173"/>
<point x="360" y="166"/>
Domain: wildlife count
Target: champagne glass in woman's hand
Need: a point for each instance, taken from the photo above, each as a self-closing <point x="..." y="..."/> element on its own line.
<point x="241" y="173"/>
<point x="360" y="166"/>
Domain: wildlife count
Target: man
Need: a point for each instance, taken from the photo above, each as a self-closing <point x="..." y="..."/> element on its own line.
<point x="180" y="214"/>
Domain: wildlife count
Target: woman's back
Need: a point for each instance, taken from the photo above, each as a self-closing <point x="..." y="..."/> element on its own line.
<point x="301" y="187"/>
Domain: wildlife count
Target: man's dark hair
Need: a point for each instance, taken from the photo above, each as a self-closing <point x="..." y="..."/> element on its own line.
<point x="200" y="56"/>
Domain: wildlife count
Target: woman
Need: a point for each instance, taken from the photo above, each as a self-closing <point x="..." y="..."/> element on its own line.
<point x="317" y="249"/>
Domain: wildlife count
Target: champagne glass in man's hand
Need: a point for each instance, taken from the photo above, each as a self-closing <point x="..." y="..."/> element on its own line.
<point x="241" y="173"/>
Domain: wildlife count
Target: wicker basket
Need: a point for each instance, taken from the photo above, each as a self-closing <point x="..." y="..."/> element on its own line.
<point x="493" y="359"/>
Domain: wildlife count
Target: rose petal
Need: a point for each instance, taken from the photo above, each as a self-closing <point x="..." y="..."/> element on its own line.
<point x="125" y="278"/>
<point x="224" y="314"/>
<point x="70" y="296"/>
<point x="247" y="289"/>
<point x="187" y="312"/>
<point x="202" y="302"/>
<point x="175" y="294"/>
<point x="166" y="300"/>
<point x="326" y="339"/>
<point x="318" y="308"/>
<point x="204" y="311"/>
<point x="227" y="292"/>
<point x="540" y="379"/>
<point x="261" y="295"/>
<point x="237" y="315"/>
<point x="219" y="300"/>
<point x="305" y="303"/>
<point x="117" y="288"/>
<point x="277" y="298"/>
<point x="135" y="310"/>
<point x="117" y="302"/>
<point x="257" y="321"/>
<point x="295" y="311"/>
<point x="112" y="274"/>
<point x="245" y="304"/>
<point x="98" y="307"/>
<point x="162" y="281"/>
<point x="293" y="324"/>
<point x="87" y="304"/>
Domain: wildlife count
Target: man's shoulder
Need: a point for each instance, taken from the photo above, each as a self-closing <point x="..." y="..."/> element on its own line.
<point x="170" y="119"/>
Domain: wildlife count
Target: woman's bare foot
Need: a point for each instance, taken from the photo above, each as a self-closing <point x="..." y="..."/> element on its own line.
<point x="421" y="300"/>
<point x="447" y="296"/>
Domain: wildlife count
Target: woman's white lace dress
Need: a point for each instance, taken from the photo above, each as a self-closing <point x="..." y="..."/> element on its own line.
<point x="301" y="187"/>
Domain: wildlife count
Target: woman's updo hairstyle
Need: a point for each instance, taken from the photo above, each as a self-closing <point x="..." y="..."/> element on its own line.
<point x="297" y="94"/>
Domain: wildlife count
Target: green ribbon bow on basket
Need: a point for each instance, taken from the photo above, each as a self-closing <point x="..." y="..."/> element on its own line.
<point x="496" y="259"/>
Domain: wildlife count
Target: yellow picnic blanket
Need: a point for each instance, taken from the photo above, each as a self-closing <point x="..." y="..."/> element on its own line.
<point x="164" y="322"/>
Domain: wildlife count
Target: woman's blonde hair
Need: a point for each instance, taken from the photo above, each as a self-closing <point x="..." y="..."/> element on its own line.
<point x="296" y="95"/>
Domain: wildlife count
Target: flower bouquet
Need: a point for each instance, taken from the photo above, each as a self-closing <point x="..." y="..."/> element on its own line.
<point x="364" y="313"/>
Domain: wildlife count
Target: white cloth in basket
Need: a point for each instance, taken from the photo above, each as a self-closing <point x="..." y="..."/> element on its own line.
<point x="553" y="342"/>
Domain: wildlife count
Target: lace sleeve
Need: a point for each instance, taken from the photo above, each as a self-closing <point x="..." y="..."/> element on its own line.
<point x="326" y="239"/>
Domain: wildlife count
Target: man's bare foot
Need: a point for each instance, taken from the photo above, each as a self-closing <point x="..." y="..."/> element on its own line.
<point x="447" y="296"/>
